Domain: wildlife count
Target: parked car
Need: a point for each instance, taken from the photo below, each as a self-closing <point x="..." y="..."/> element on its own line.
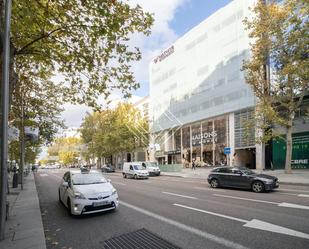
<point x="241" y="177"/>
<point x="152" y="167"/>
<point x="85" y="192"/>
<point x="134" y="170"/>
<point x="108" y="168"/>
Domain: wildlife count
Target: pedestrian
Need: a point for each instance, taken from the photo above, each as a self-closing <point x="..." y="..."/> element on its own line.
<point x="193" y="164"/>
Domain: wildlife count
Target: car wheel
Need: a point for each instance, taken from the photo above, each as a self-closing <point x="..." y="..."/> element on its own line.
<point x="214" y="183"/>
<point x="69" y="207"/>
<point x="258" y="187"/>
<point x="135" y="177"/>
<point x="124" y="175"/>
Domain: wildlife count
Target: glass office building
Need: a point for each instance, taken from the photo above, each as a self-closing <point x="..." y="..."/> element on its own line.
<point x="199" y="100"/>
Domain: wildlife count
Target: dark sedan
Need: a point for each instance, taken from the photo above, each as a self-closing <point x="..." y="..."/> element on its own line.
<point x="241" y="177"/>
<point x="108" y="168"/>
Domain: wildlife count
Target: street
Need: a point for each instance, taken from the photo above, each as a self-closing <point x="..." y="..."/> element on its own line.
<point x="183" y="211"/>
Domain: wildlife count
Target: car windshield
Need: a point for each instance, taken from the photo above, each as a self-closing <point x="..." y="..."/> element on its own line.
<point x="247" y="171"/>
<point x="85" y="179"/>
<point x="137" y="167"/>
<point x="152" y="164"/>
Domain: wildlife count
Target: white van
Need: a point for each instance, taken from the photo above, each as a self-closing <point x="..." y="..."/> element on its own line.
<point x="152" y="167"/>
<point x="134" y="170"/>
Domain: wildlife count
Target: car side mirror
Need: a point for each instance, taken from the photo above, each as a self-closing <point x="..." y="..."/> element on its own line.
<point x="65" y="184"/>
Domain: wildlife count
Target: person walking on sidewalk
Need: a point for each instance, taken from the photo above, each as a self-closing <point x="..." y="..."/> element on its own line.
<point x="193" y="164"/>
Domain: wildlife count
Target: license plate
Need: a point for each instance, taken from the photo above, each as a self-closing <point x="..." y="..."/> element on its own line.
<point x="101" y="203"/>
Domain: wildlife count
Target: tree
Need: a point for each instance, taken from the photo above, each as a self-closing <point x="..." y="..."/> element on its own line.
<point x="84" y="41"/>
<point x="114" y="131"/>
<point x="280" y="35"/>
<point x="67" y="149"/>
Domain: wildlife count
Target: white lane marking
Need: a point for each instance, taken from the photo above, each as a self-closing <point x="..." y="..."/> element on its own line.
<point x="203" y="234"/>
<point x="43" y="174"/>
<point x="286" y="194"/>
<point x="279" y="204"/>
<point x="246" y="199"/>
<point x="119" y="183"/>
<point x="211" y="213"/>
<point x="294" y="190"/>
<point x="291" y="205"/>
<point x="302" y="195"/>
<point x="210" y="189"/>
<point x="254" y="223"/>
<point x="184" y="196"/>
<point x="261" y="225"/>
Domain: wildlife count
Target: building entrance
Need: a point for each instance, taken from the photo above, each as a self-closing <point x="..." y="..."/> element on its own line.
<point x="244" y="157"/>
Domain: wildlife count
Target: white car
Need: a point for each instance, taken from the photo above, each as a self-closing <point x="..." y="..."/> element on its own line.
<point x="85" y="192"/>
<point x="152" y="168"/>
<point x="134" y="170"/>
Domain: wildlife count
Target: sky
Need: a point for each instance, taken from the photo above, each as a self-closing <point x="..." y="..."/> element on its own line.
<point x="173" y="18"/>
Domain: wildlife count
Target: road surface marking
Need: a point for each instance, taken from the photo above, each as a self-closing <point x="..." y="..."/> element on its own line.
<point x="291" y="205"/>
<point x="203" y="234"/>
<point x="246" y="199"/>
<point x="258" y="224"/>
<point x="211" y="213"/>
<point x="119" y="183"/>
<point x="43" y="174"/>
<point x="286" y="194"/>
<point x="279" y="204"/>
<point x="302" y="195"/>
<point x="184" y="196"/>
<point x="210" y="189"/>
<point x="294" y="190"/>
<point x="254" y="223"/>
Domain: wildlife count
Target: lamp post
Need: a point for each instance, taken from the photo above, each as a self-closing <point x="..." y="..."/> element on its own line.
<point x="4" y="118"/>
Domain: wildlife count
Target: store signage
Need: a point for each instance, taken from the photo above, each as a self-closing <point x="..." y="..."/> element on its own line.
<point x="165" y="54"/>
<point x="172" y="152"/>
<point x="206" y="137"/>
<point x="300" y="161"/>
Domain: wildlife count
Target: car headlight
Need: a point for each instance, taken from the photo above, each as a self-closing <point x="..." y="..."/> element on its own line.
<point x="114" y="192"/>
<point x="78" y="195"/>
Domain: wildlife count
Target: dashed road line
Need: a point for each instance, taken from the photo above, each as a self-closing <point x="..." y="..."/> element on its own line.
<point x="184" y="196"/>
<point x="279" y="204"/>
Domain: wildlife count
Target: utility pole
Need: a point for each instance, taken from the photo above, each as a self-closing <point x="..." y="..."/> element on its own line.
<point x="4" y="119"/>
<point x="22" y="141"/>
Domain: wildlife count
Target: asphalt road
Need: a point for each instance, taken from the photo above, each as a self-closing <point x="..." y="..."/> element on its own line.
<point x="183" y="211"/>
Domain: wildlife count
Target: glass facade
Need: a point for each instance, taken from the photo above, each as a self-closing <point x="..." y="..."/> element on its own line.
<point x="204" y="142"/>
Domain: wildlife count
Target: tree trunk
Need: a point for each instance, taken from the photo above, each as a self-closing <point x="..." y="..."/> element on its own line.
<point x="288" y="157"/>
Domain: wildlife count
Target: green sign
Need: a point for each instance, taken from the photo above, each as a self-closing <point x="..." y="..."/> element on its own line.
<point x="300" y="152"/>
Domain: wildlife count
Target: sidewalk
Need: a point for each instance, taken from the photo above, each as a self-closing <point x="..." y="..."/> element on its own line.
<point x="24" y="227"/>
<point x="298" y="177"/>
